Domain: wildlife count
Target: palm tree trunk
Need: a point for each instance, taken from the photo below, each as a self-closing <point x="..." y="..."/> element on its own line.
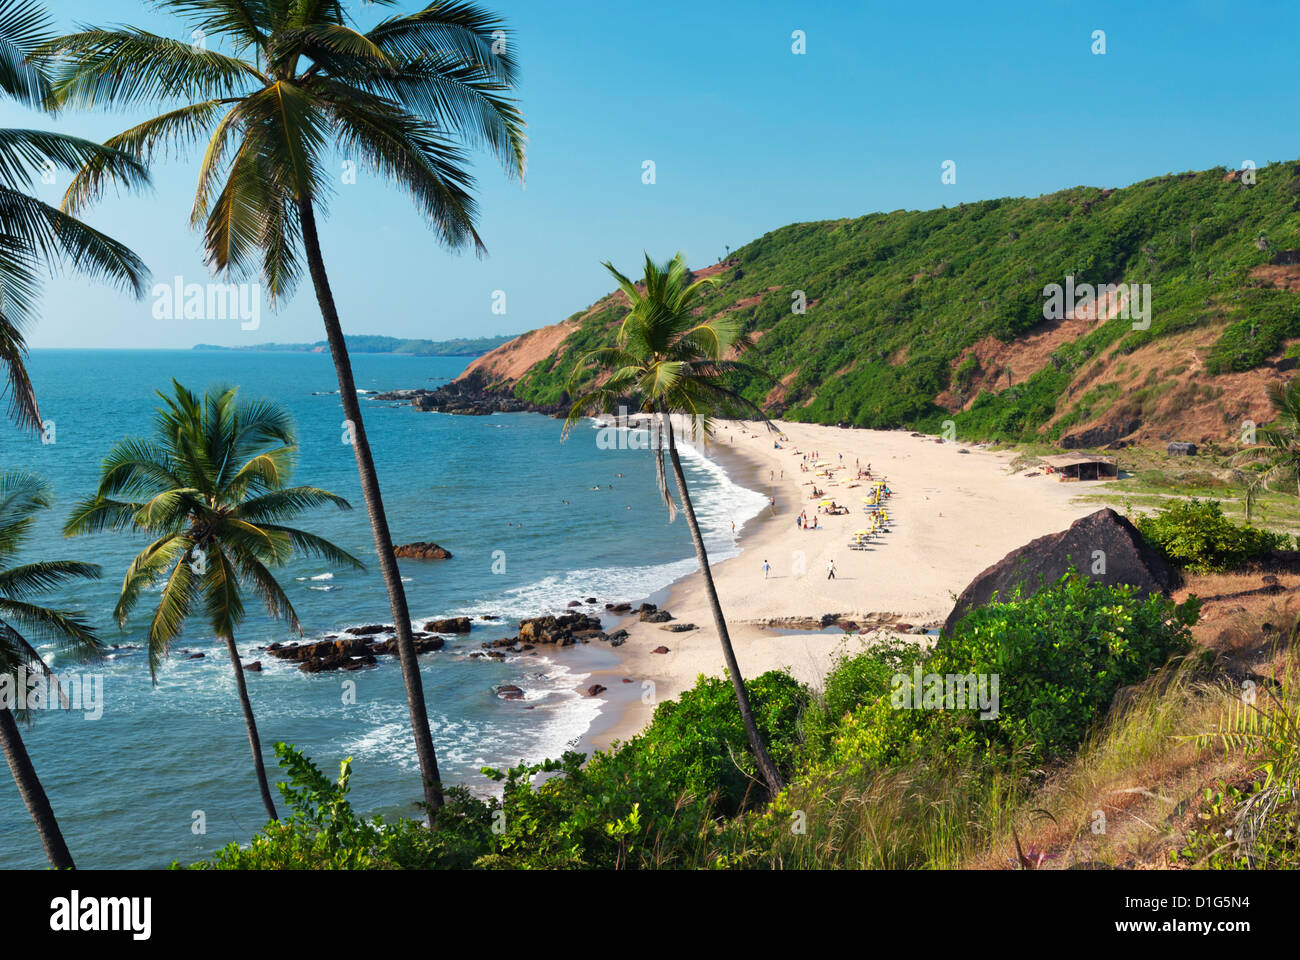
<point x="772" y="776"/>
<point x="251" y="725"/>
<point x="33" y="794"/>
<point x="378" y="521"/>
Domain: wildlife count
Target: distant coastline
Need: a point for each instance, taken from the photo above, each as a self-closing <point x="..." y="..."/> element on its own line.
<point x="367" y="343"/>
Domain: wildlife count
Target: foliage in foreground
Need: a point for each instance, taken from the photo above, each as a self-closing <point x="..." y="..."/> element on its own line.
<point x="865" y="774"/>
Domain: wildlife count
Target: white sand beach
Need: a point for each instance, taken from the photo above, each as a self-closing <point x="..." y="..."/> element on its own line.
<point x="955" y="510"/>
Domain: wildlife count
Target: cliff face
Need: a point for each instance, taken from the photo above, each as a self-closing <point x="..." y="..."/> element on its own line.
<point x="510" y="361"/>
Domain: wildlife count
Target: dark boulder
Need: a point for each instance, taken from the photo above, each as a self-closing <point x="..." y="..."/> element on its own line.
<point x="595" y="690"/>
<point x="422" y="550"/>
<point x="453" y="625"/>
<point x="1124" y="558"/>
<point x="655" y="616"/>
<point x="659" y="650"/>
<point x="508" y="691"/>
<point x="1177" y="449"/>
<point x="254" y="667"/>
<point x="369" y="629"/>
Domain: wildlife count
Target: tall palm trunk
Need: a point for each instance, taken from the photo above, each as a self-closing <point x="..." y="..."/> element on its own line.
<point x="251" y="725"/>
<point x="375" y="506"/>
<point x="33" y="794"/>
<point x="772" y="776"/>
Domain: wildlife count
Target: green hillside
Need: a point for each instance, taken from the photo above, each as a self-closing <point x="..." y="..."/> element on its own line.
<point x="897" y="300"/>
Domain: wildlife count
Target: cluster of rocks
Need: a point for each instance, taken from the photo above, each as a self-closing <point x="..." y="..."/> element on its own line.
<point x="471" y="397"/>
<point x="562" y="631"/>
<point x="360" y="646"/>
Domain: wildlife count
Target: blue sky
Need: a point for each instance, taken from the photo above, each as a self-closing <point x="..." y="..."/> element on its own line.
<point x="746" y="136"/>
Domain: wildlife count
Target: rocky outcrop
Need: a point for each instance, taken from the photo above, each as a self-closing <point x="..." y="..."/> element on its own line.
<point x="1103" y="546"/>
<point x="422" y="550"/>
<point x="350" y="652"/>
<point x="471" y="396"/>
<point x="565" y="630"/>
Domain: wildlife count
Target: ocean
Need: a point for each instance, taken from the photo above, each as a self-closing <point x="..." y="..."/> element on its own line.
<point x="518" y="509"/>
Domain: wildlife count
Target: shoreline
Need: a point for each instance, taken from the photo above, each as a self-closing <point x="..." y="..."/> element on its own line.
<point x="940" y="539"/>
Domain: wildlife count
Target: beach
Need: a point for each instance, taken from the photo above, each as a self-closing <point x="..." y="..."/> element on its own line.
<point x="955" y="510"/>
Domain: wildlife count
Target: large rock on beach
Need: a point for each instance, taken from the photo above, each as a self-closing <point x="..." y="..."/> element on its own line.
<point x="1127" y="560"/>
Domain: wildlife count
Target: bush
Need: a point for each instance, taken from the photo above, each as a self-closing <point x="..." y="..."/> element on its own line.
<point x="322" y="832"/>
<point x="1195" y="534"/>
<point x="1058" y="656"/>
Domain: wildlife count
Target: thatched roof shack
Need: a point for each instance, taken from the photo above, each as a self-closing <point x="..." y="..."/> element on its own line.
<point x="1082" y="466"/>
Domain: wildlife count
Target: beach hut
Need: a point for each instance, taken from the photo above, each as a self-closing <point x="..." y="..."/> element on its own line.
<point x="1074" y="467"/>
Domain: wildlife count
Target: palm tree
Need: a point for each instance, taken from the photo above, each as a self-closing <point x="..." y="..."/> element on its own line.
<point x="301" y="82"/>
<point x="669" y="361"/>
<point x="1279" y="452"/>
<point x="21" y="496"/>
<point x="211" y="488"/>
<point x="35" y="237"/>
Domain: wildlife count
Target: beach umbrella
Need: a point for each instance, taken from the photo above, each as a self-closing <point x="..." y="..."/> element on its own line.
<point x="827" y="503"/>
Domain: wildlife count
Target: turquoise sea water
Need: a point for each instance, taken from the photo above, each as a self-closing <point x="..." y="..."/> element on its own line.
<point x="126" y="786"/>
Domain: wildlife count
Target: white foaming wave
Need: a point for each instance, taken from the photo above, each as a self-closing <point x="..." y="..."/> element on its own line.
<point x="559" y="718"/>
<point x="725" y="502"/>
<point x="553" y="593"/>
<point x="720" y="502"/>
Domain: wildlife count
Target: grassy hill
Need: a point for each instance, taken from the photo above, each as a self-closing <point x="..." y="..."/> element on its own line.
<point x="918" y="317"/>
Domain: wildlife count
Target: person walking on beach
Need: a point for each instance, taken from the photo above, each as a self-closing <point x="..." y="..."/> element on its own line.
<point x="830" y="570"/>
<point x="766" y="568"/>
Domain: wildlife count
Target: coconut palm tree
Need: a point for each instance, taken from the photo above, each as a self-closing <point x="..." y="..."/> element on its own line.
<point x="211" y="486"/>
<point x="21" y="496"/>
<point x="1277" y="451"/>
<point x="34" y="236"/>
<point x="301" y="83"/>
<point x="666" y="361"/>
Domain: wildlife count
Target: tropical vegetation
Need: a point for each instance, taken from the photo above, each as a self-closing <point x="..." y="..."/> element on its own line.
<point x="668" y="362"/>
<point x="299" y="83"/>
<point x="25" y="624"/>
<point x="211" y="488"/>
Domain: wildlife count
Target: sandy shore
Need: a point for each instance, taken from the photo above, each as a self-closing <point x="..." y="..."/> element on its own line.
<point x="955" y="510"/>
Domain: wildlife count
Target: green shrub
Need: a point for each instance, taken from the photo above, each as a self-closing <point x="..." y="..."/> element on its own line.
<point x="1195" y="534"/>
<point x="1058" y="655"/>
<point x="323" y="832"/>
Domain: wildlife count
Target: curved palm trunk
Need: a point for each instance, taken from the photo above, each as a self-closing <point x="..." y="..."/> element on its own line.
<point x="378" y="521"/>
<point x="33" y="794"/>
<point x="251" y="725"/>
<point x="772" y="776"/>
